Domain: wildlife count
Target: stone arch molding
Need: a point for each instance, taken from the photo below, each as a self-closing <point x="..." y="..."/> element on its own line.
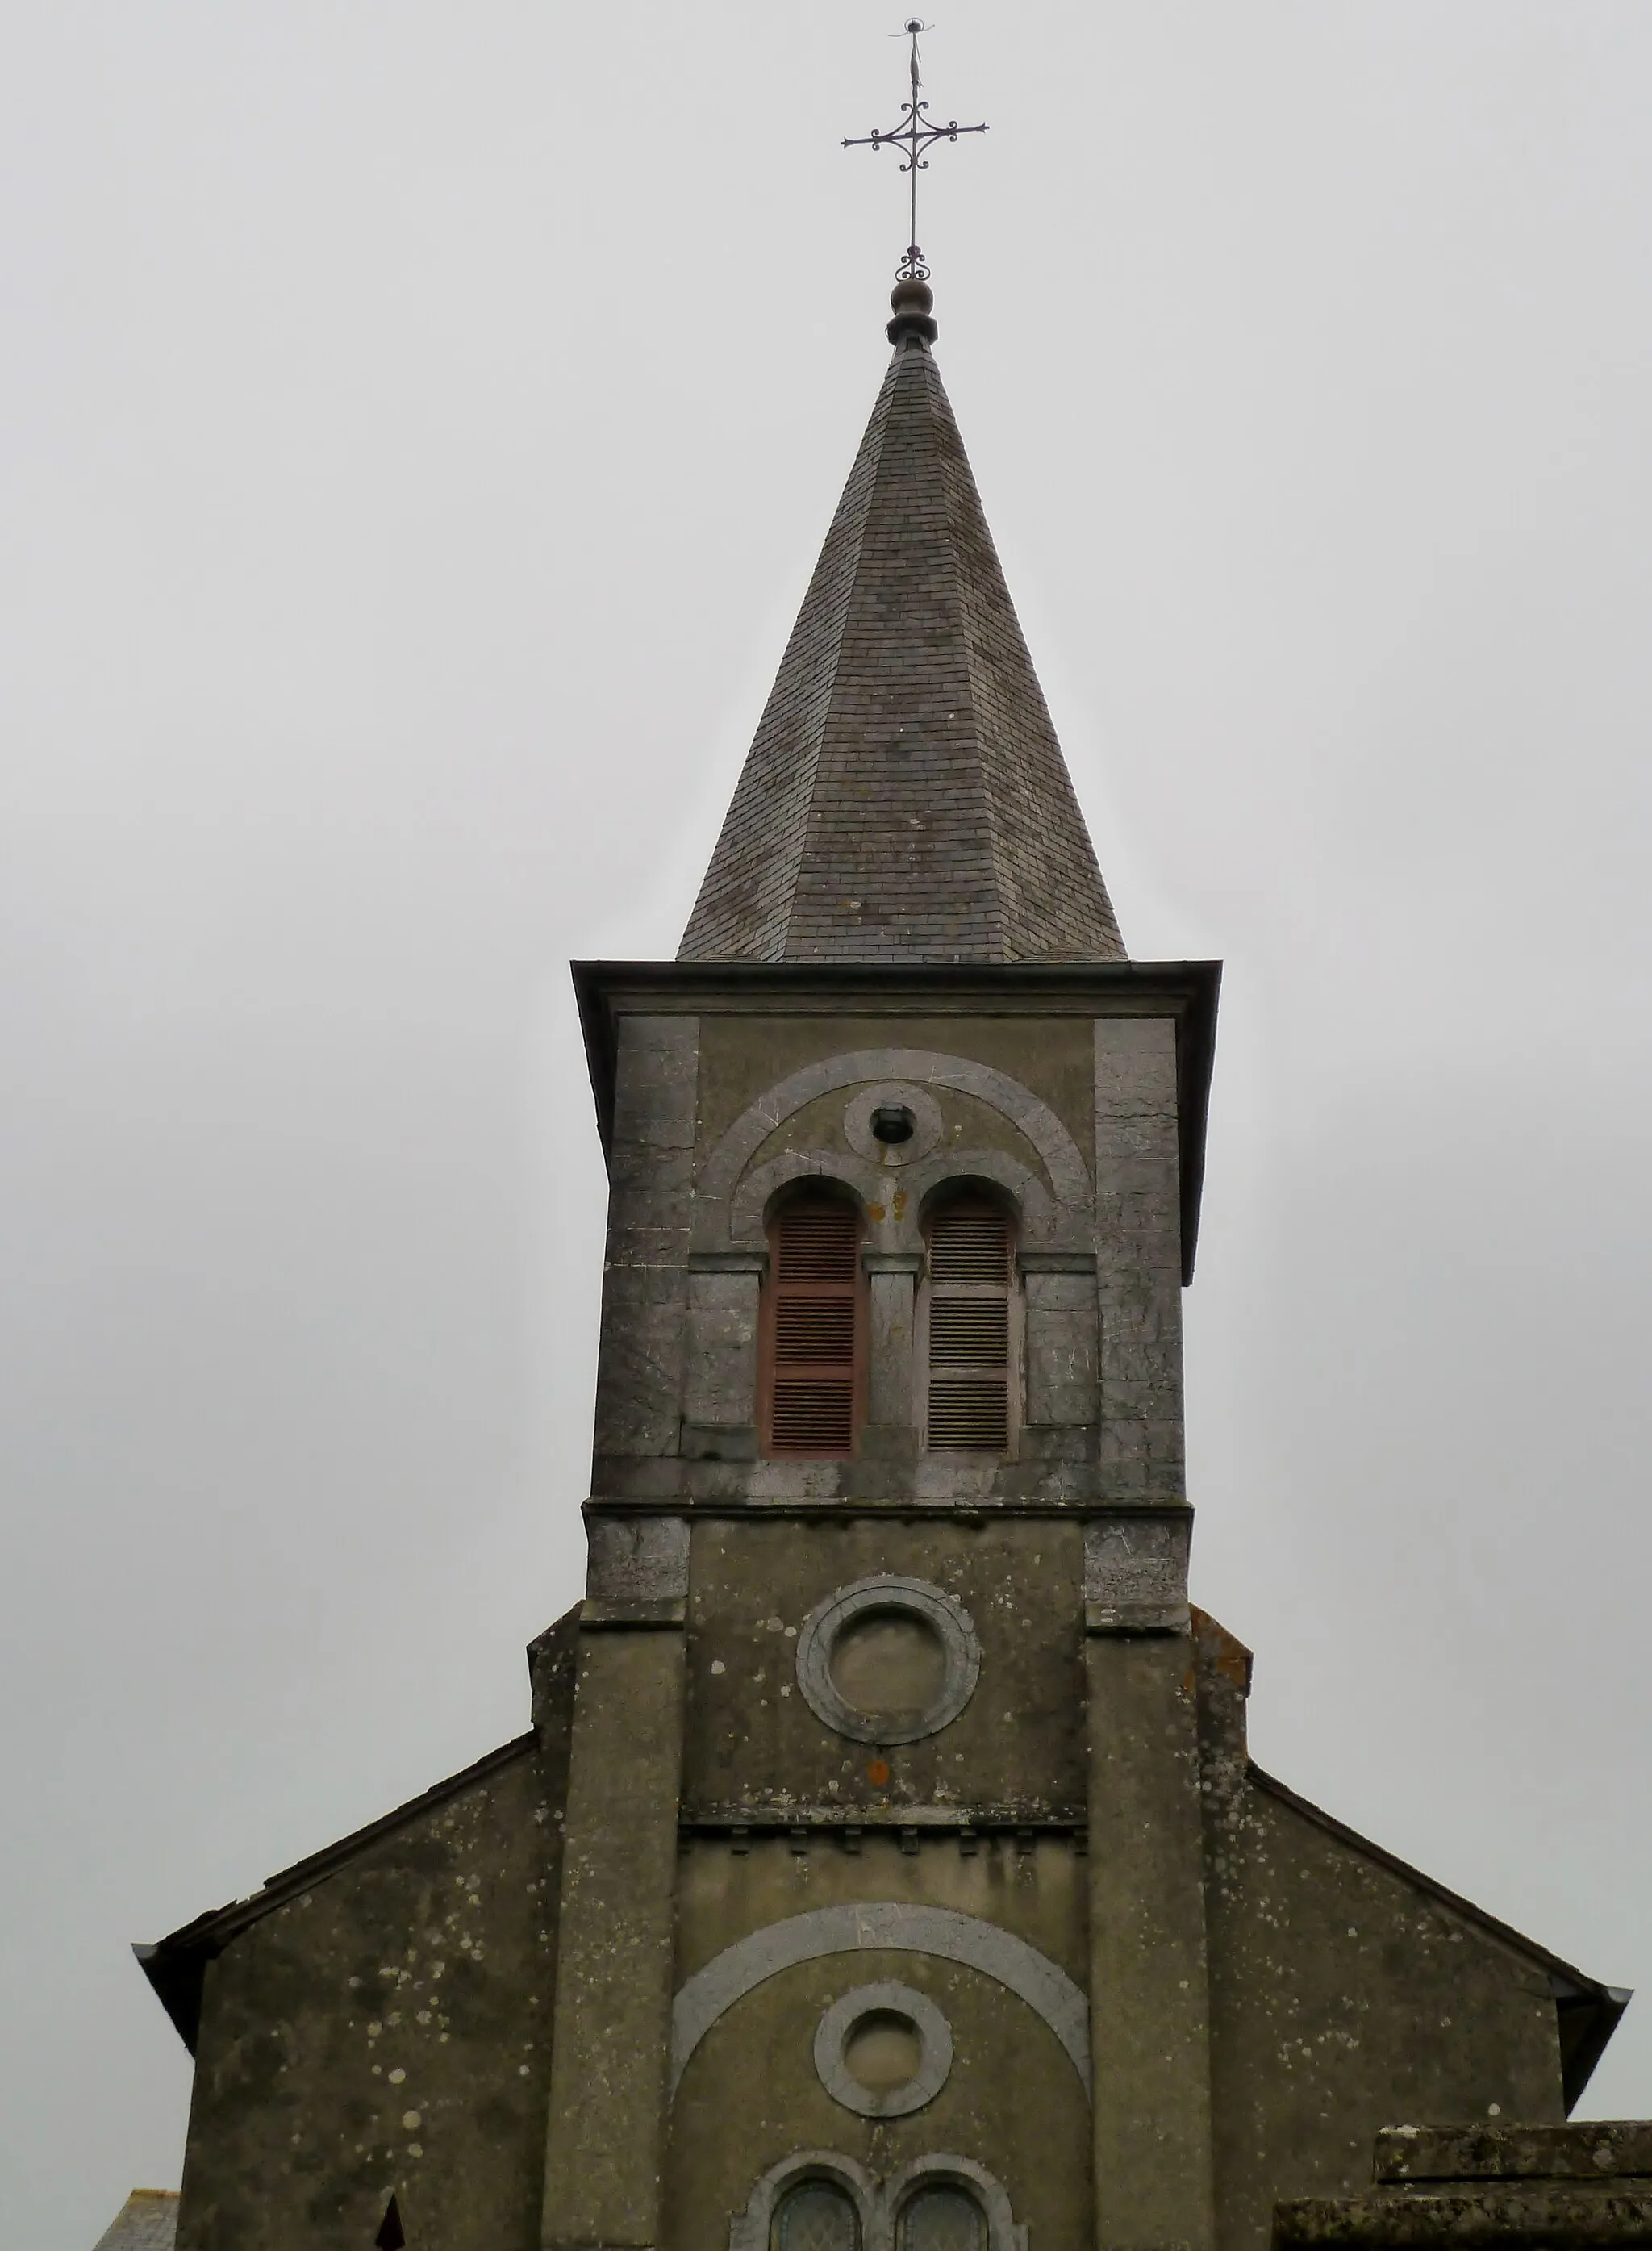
<point x="887" y="1926"/>
<point x="878" y="2203"/>
<point x="899" y="1230"/>
<point x="730" y="1197"/>
<point x="753" y="2229"/>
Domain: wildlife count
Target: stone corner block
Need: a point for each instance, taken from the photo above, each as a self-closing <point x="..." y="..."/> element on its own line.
<point x="719" y="1442"/>
<point x="636" y="1560"/>
<point x="1135" y="1573"/>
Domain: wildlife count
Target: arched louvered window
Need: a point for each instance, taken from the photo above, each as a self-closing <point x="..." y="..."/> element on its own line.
<point x="972" y="1328"/>
<point x="943" y="2217"/>
<point x="815" y="2215"/>
<point x="812" y="1355"/>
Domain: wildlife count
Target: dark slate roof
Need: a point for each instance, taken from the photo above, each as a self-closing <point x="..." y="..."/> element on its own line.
<point x="905" y="798"/>
<point x="148" y="2222"/>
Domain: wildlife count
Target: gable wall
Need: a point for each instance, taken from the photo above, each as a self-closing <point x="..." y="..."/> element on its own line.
<point x="1345" y="1996"/>
<point x="414" y="1982"/>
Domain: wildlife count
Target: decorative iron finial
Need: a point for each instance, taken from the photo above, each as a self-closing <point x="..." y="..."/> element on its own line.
<point x="915" y="134"/>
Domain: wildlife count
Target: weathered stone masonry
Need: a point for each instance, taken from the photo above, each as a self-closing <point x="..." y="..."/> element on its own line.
<point x="885" y="1869"/>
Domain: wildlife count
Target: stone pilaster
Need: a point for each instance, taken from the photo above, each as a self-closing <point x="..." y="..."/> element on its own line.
<point x="1138" y="1257"/>
<point x="720" y="1381"/>
<point x="640" y="1369"/>
<point x="1062" y="1339"/>
<point x="892" y="1280"/>
<point x="1150" y="2006"/>
<point x="605" y="2136"/>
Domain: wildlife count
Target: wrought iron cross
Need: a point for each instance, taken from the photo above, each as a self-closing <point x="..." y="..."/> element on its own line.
<point x="915" y="134"/>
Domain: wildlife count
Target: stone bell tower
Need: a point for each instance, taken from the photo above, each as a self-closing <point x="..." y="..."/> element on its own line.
<point x="885" y="1869"/>
<point x="885" y="1748"/>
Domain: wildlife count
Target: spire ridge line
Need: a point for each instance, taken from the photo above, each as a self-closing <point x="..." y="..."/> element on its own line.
<point x="905" y="799"/>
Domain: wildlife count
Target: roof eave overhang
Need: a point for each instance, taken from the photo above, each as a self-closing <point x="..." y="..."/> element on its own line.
<point x="176" y="1965"/>
<point x="1185" y="991"/>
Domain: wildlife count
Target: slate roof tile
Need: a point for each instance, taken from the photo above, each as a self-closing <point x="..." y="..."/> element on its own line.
<point x="905" y="798"/>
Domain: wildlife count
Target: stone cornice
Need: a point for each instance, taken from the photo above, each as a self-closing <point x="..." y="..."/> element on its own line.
<point x="1185" y="991"/>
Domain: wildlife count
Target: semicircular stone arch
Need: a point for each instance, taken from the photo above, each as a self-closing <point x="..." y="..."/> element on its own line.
<point x="718" y="1191"/>
<point x="763" y="1183"/>
<point x="753" y="2228"/>
<point x="879" y="2204"/>
<point x="895" y="1224"/>
<point x="882" y="1926"/>
<point x="1040" y="1218"/>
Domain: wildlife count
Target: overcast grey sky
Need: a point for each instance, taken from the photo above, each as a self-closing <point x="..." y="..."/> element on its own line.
<point x="417" y="426"/>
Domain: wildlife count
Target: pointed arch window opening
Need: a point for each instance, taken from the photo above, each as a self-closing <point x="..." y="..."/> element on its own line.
<point x="811" y="1356"/>
<point x="972" y="1328"/>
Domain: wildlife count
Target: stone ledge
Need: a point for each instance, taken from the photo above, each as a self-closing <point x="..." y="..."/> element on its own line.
<point x="719" y="1442"/>
<point x="582" y="2243"/>
<point x="891" y="1262"/>
<point x="602" y="1615"/>
<point x="1608" y="2148"/>
<point x="969" y="1508"/>
<point x="728" y="1261"/>
<point x="1514" y="2187"/>
<point x="775" y="1814"/>
<point x="1137" y="1618"/>
<point x="1531" y="2214"/>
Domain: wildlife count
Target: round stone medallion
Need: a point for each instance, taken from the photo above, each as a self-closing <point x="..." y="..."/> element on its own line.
<point x="893" y="1122"/>
<point x="883" y="2051"/>
<point x="889" y="1659"/>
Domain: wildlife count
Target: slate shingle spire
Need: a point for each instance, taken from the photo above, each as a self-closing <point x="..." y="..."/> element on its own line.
<point x="905" y="798"/>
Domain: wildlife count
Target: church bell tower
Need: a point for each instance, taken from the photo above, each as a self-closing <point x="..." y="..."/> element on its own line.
<point x="885" y="1752"/>
<point x="884" y="1869"/>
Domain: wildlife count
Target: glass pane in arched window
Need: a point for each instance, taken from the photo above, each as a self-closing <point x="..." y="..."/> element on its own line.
<point x="942" y="2219"/>
<point x="817" y="2216"/>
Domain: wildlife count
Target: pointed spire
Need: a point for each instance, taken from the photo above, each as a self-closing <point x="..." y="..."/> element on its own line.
<point x="905" y="798"/>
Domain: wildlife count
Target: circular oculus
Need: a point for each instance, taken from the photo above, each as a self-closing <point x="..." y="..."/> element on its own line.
<point x="883" y="2051"/>
<point x="888" y="1660"/>
<point x="894" y="1123"/>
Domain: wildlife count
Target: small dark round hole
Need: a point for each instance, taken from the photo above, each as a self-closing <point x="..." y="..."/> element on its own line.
<point x="893" y="1125"/>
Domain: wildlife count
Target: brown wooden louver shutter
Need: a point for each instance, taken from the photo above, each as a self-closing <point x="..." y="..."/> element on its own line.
<point x="970" y="1349"/>
<point x="811" y="1340"/>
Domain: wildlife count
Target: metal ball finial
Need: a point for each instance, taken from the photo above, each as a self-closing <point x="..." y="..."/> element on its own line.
<point x="912" y="300"/>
